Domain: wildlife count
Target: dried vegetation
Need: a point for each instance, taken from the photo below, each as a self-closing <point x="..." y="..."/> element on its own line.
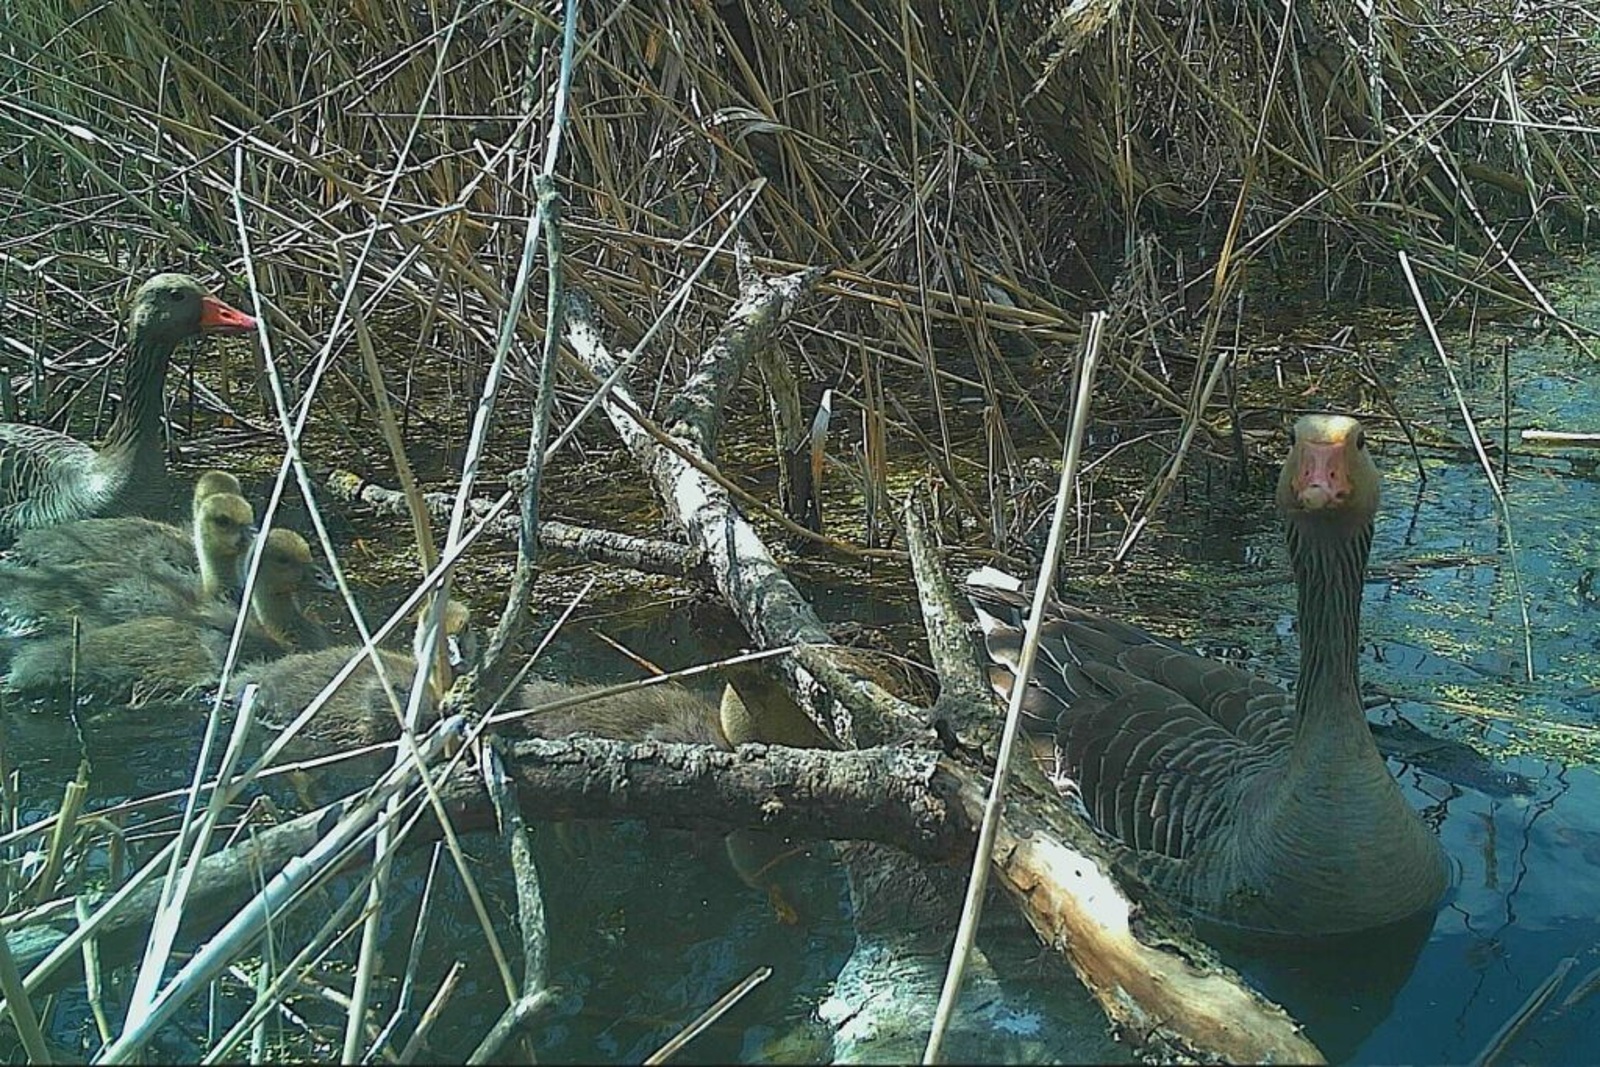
<point x="975" y="176"/>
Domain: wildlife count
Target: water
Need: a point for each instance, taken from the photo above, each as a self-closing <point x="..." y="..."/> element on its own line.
<point x="651" y="926"/>
<point x="1445" y="641"/>
<point x="1449" y="640"/>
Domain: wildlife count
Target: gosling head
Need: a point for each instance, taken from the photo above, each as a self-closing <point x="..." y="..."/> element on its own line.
<point x="286" y="568"/>
<point x="171" y="307"/>
<point x="211" y="483"/>
<point x="286" y="564"/>
<point x="224" y="524"/>
<point x="459" y="647"/>
<point x="1329" y="483"/>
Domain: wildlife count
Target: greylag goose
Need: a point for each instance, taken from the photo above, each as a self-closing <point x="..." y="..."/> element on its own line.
<point x="47" y="477"/>
<point x="133" y="542"/>
<point x="358" y="713"/>
<point x="1251" y="809"/>
<point x="45" y="599"/>
<point x="172" y="653"/>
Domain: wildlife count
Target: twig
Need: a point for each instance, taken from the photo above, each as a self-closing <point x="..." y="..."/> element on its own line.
<point x="180" y="875"/>
<point x="1586" y="985"/>
<point x="356" y="829"/>
<point x="432" y="1012"/>
<point x="93" y="988"/>
<point x="977" y="885"/>
<point x="1483" y="461"/>
<point x="1503" y="1037"/>
<point x="1559" y="439"/>
<point x="21" y="1009"/>
<point x="530" y="908"/>
<point x="408" y="980"/>
<point x="707" y="1018"/>
<point x="65" y="828"/>
<point x="494" y="666"/>
<point x="583" y="542"/>
<point x="511" y="1020"/>
<point x="368" y="952"/>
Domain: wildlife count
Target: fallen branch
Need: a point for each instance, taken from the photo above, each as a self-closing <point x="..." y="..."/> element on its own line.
<point x="583" y="542"/>
<point x="894" y="796"/>
<point x="1560" y="439"/>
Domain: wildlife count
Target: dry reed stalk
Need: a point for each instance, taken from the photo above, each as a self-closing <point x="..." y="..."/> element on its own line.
<point x="970" y="194"/>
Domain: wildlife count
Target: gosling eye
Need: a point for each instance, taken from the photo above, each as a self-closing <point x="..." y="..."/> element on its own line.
<point x="1291" y="437"/>
<point x="1361" y="440"/>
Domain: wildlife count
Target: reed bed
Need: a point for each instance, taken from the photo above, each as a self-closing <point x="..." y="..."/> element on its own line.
<point x="975" y="179"/>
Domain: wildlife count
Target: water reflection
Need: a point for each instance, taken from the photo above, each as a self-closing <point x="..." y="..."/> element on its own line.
<point x="650" y="927"/>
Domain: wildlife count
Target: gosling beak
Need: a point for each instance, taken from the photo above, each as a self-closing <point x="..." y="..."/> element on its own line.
<point x="323" y="579"/>
<point x="218" y="317"/>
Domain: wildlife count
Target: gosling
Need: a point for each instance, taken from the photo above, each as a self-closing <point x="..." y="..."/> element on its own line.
<point x="47" y="598"/>
<point x="359" y="712"/>
<point x="174" y="654"/>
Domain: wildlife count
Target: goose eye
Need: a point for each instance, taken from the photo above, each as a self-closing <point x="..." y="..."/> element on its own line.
<point x="175" y="296"/>
<point x="1361" y="440"/>
<point x="1291" y="437"/>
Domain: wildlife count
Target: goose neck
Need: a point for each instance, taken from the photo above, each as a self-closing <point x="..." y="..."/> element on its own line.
<point x="137" y="424"/>
<point x="1329" y="568"/>
<point x="217" y="574"/>
<point x="277" y="613"/>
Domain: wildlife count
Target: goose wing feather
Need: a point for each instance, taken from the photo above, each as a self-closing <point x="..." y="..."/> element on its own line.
<point x="1249" y="708"/>
<point x="39" y="600"/>
<point x="44" y="477"/>
<point x="1163" y="744"/>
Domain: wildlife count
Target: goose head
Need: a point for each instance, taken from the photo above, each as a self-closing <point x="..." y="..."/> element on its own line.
<point x="210" y="484"/>
<point x="286" y="568"/>
<point x="457" y="649"/>
<point x="171" y="307"/>
<point x="1329" y="485"/>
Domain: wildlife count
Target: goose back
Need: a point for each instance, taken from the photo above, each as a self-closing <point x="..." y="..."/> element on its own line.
<point x="359" y="711"/>
<point x="52" y="598"/>
<point x="133" y="542"/>
<point x="141" y="659"/>
<point x="162" y="654"/>
<point x="663" y="712"/>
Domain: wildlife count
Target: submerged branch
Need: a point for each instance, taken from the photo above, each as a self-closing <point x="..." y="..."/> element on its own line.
<point x="597" y="546"/>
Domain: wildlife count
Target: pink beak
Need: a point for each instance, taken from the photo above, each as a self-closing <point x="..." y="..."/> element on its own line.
<point x="1322" y="479"/>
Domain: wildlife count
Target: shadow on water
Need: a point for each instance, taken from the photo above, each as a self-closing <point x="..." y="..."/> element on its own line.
<point x="1341" y="990"/>
<point x="1444" y="649"/>
<point x="651" y="926"/>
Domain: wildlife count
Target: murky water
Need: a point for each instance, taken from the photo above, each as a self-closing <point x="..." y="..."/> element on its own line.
<point x="1445" y="640"/>
<point x="650" y="927"/>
